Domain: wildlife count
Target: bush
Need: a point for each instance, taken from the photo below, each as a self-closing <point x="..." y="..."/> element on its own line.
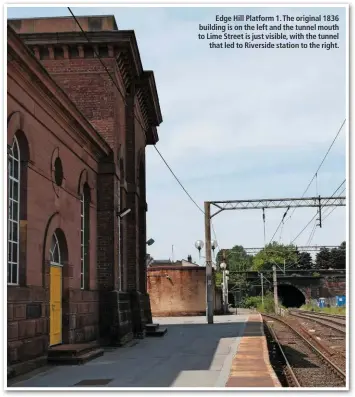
<point x="255" y="302"/>
<point x="252" y="302"/>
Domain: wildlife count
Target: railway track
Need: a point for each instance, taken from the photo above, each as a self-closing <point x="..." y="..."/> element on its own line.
<point x="340" y="316"/>
<point x="336" y="323"/>
<point x="304" y="364"/>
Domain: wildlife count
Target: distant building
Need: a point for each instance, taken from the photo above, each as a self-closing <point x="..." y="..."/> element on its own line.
<point x="169" y="262"/>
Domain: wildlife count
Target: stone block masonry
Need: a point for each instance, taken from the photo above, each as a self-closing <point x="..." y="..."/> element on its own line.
<point x="72" y="111"/>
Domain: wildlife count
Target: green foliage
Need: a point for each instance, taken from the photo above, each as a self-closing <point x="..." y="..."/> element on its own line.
<point x="304" y="261"/>
<point x="255" y="302"/>
<point x="236" y="259"/>
<point x="218" y="278"/>
<point x="334" y="259"/>
<point x="252" y="302"/>
<point x="275" y="253"/>
<point x="329" y="310"/>
<point x="316" y="274"/>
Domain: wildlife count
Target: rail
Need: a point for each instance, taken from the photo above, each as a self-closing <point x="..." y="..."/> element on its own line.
<point x="340" y="316"/>
<point x="289" y="371"/>
<point x="328" y="362"/>
<point x="329" y="322"/>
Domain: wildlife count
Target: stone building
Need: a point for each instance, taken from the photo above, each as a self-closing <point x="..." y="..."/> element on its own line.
<point x="76" y="158"/>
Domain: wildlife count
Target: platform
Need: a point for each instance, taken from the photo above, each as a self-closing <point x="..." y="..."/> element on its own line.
<point x="251" y="366"/>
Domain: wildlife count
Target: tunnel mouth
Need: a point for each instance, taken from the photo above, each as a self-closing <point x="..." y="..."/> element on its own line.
<point x="290" y="296"/>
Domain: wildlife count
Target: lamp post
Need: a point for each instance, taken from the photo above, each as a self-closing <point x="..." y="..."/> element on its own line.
<point x="227" y="299"/>
<point x="199" y="245"/>
<point x="225" y="279"/>
<point x="214" y="245"/>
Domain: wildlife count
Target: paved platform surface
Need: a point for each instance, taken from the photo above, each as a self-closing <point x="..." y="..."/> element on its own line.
<point x="191" y="354"/>
<point x="251" y="366"/>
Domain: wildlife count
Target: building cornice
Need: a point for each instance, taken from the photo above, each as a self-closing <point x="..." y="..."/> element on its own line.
<point x="122" y="45"/>
<point x="17" y="51"/>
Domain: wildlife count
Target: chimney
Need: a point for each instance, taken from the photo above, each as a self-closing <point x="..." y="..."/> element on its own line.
<point x="189" y="259"/>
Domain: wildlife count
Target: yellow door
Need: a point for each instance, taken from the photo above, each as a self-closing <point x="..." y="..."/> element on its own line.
<point x="55" y="306"/>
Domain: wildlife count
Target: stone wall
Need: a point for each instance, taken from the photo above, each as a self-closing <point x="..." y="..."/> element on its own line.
<point x="177" y="291"/>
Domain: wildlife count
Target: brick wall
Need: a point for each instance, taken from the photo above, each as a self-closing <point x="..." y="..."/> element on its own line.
<point x="90" y="88"/>
<point x="50" y="131"/>
<point x="81" y="75"/>
<point x="182" y="293"/>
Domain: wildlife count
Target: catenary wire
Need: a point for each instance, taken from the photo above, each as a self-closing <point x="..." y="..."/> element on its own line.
<point x="309" y="184"/>
<point x="317" y="213"/>
<point x="320" y="165"/>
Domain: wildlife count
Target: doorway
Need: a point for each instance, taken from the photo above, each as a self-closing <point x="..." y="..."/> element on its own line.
<point x="55" y="300"/>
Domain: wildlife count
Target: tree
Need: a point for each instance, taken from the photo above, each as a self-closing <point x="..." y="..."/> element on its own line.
<point x="275" y="253"/>
<point x="332" y="259"/>
<point x="338" y="257"/>
<point x="304" y="261"/>
<point x="323" y="259"/>
<point x="236" y="259"/>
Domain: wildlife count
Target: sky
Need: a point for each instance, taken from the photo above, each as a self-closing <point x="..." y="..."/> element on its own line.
<point x="238" y="124"/>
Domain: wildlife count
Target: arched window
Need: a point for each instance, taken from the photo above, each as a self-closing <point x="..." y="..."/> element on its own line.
<point x="13" y="195"/>
<point x="85" y="235"/>
<point x="54" y="251"/>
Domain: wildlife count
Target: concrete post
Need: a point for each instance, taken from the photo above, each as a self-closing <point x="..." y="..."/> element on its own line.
<point x="209" y="287"/>
<point x="275" y="289"/>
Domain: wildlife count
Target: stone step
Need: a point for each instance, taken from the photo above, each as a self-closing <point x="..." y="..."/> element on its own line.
<point x="151" y="327"/>
<point x="72" y="350"/>
<point x="159" y="332"/>
<point x="10" y="373"/>
<point x="78" y="359"/>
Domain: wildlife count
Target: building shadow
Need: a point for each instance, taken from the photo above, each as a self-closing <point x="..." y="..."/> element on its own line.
<point x="190" y="354"/>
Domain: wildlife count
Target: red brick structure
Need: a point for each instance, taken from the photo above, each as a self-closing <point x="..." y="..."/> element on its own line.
<point x="76" y="149"/>
<point x="179" y="291"/>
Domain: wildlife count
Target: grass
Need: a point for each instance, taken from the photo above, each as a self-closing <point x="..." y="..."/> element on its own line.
<point x="329" y="310"/>
<point x="255" y="302"/>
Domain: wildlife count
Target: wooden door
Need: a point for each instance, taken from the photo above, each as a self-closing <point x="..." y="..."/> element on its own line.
<point x="55" y="306"/>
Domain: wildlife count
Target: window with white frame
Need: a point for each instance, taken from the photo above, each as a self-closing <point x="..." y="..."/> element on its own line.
<point x="54" y="251"/>
<point x="13" y="193"/>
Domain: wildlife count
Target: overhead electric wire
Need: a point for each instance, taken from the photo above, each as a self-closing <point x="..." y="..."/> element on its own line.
<point x="124" y="99"/>
<point x="329" y="213"/>
<point x="281" y="222"/>
<point x="320" y="165"/>
<point x="325" y="217"/>
<point x="309" y="184"/>
<point x="312" y="234"/>
<point x="317" y="212"/>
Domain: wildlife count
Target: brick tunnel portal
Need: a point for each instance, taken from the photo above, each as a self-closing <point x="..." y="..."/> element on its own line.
<point x="290" y="296"/>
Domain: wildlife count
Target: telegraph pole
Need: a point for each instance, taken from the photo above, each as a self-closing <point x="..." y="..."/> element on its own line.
<point x="275" y="289"/>
<point x="262" y="289"/>
<point x="209" y="288"/>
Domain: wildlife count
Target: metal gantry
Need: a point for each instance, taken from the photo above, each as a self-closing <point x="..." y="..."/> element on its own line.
<point x="278" y="203"/>
<point x="317" y="202"/>
<point x="301" y="248"/>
